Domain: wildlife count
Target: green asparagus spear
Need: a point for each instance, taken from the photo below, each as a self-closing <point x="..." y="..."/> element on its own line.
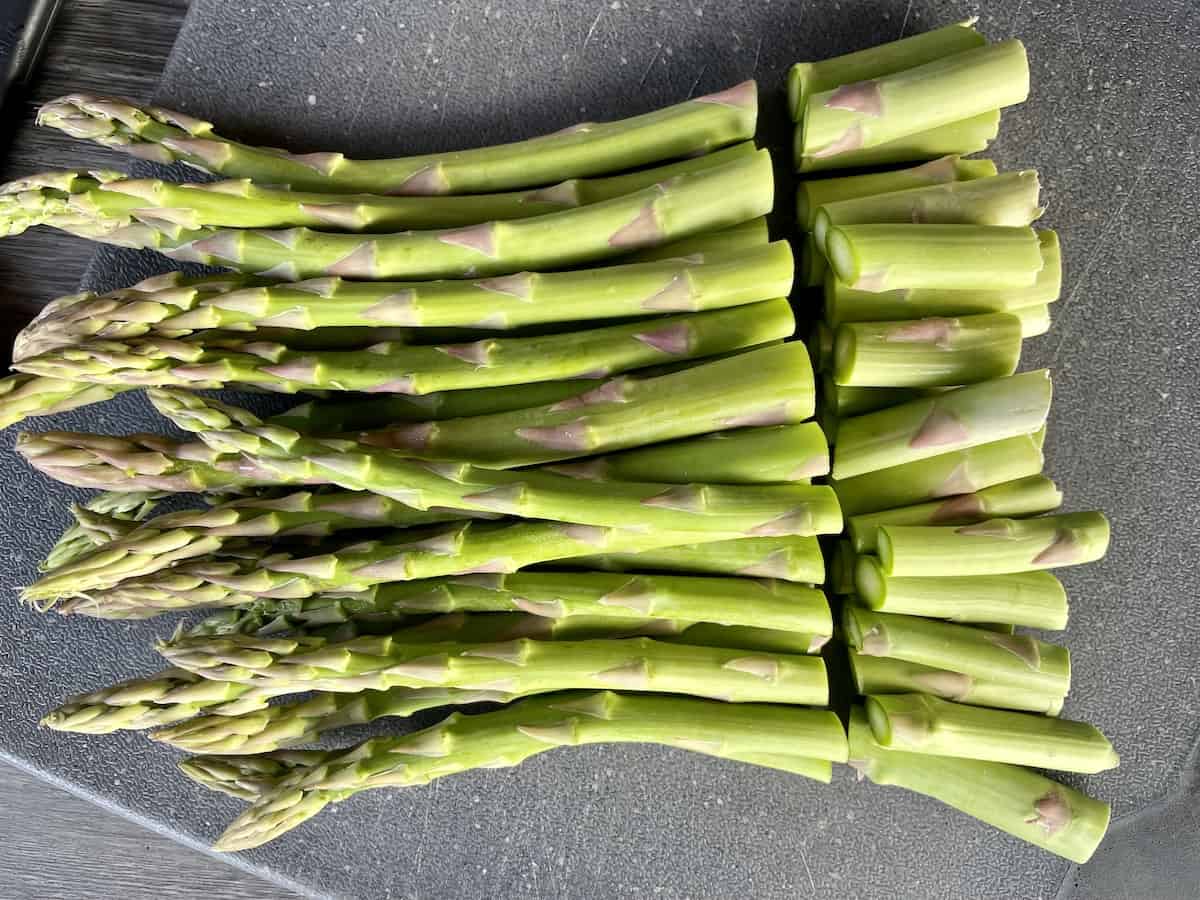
<point x="956" y="420"/>
<point x="1033" y="599"/>
<point x="734" y="239"/>
<point x="23" y="396"/>
<point x="841" y="568"/>
<point x="918" y="723"/>
<point x="883" y="675"/>
<point x="969" y="135"/>
<point x="844" y="304"/>
<point x="1035" y="320"/>
<point x="813" y="193"/>
<point x="873" y="111"/>
<point x="1015" y="660"/>
<point x="1015" y="800"/>
<point x="808" y="78"/>
<point x="927" y="352"/>
<point x="947" y="257"/>
<point x="790" y="558"/>
<point x="399" y="368"/>
<point x="993" y="547"/>
<point x="689" y="204"/>
<point x="250" y="777"/>
<point x="102" y="519"/>
<point x="1022" y="497"/>
<point x="114" y="200"/>
<point x="686" y="129"/>
<point x="508" y="736"/>
<point x="946" y="475"/>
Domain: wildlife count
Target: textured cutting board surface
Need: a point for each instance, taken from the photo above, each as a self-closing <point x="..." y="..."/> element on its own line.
<point x="1112" y="127"/>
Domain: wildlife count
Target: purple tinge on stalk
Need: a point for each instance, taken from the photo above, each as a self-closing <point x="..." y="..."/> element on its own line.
<point x="817" y="464"/>
<point x="395" y="309"/>
<point x="395" y="568"/>
<point x="1021" y="646"/>
<point x="480" y="238"/>
<point x="874" y="642"/>
<point x="505" y="499"/>
<point x="550" y="609"/>
<point x="323" y="162"/>
<point x="633" y="594"/>
<point x="402" y="437"/>
<point x="936" y="331"/>
<point x="992" y="528"/>
<point x="772" y="415"/>
<point x="952" y="685"/>
<point x="565" y="193"/>
<point x="685" y="498"/>
<point x="861" y="97"/>
<point x="1051" y="812"/>
<point x="477" y="352"/>
<point x="674" y="339"/>
<point x="589" y="470"/>
<point x="872" y="282"/>
<point x="568" y="436"/>
<point x="609" y="392"/>
<point x="322" y="287"/>
<point x="964" y="506"/>
<point x="941" y="427"/>
<point x="740" y="95"/>
<point x="642" y="230"/>
<point x="284" y="237"/>
<point x="675" y="296"/>
<point x="957" y="482"/>
<point x="773" y="565"/>
<point x="851" y="139"/>
<point x="939" y="170"/>
<point x="284" y="271"/>
<point x="304" y="370"/>
<point x="632" y="676"/>
<point x="759" y="666"/>
<point x="358" y="263"/>
<point x="424" y="182"/>
<point x="499" y="564"/>
<point x="1064" y="549"/>
<point x="798" y="521"/>
<point x="210" y="153"/>
<point x="592" y="535"/>
<point x="341" y="215"/>
<point x="519" y="285"/>
<point x="223" y="244"/>
<point x="403" y="385"/>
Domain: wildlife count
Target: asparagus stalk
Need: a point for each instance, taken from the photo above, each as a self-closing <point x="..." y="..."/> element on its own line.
<point x="841" y="568"/>
<point x="250" y="777"/>
<point x="918" y="723"/>
<point x="1015" y="660"/>
<point x="114" y="200"/>
<point x="883" y="675"/>
<point x="1033" y="599"/>
<point x="689" y="204"/>
<point x="686" y="129"/>
<point x="1022" y="803"/>
<point x="969" y="135"/>
<point x="993" y="547"/>
<point x="766" y="386"/>
<point x="927" y="352"/>
<point x="100" y="520"/>
<point x="775" y="453"/>
<point x="813" y="193"/>
<point x="820" y="347"/>
<point x="789" y="558"/>
<point x="949" y="257"/>
<point x="398" y="368"/>
<point x="23" y="396"/>
<point x="734" y="239"/>
<point x="844" y="400"/>
<point x="510" y="735"/>
<point x="812" y="267"/>
<point x="1022" y="497"/>
<point x="956" y="420"/>
<point x="1009" y="200"/>
<point x="844" y="304"/>
<point x="808" y="78"/>
<point x="875" y="110"/>
<point x="1035" y="320"/>
<point x="946" y="475"/>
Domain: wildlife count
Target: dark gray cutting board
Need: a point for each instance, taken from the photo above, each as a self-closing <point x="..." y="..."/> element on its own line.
<point x="1112" y="127"/>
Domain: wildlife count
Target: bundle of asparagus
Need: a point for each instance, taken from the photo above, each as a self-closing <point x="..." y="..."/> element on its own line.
<point x="932" y="280"/>
<point x="628" y="419"/>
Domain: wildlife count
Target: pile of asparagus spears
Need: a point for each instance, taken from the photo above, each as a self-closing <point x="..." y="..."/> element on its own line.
<point x="571" y="476"/>
<point x="932" y="279"/>
<point x="555" y="453"/>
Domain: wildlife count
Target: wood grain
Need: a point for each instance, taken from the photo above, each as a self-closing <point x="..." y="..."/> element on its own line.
<point x="56" y="845"/>
<point x="102" y="46"/>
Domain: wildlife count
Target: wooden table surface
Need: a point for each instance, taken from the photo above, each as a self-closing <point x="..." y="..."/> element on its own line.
<point x="53" y="844"/>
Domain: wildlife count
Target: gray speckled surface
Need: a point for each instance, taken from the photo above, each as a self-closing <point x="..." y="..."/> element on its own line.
<point x="1112" y="126"/>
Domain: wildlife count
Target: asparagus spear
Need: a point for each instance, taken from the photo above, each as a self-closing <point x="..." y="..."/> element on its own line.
<point x="993" y="547"/>
<point x="841" y="568"/>
<point x="1015" y="800"/>
<point x="1015" y="660"/>
<point x="1035" y="320"/>
<point x="949" y="257"/>
<point x="734" y="239"/>
<point x="883" y="675"/>
<point x="956" y="420"/>
<point x="813" y="193"/>
<point x="1010" y="200"/>
<point x="927" y="352"/>
<point x="844" y="304"/>
<point x="399" y="368"/>
<point x="689" y="204"/>
<point x="918" y="723"/>
<point x="249" y="777"/>
<point x="876" y="110"/>
<point x="808" y="78"/>
<point x="102" y="519"/>
<point x="1022" y="497"/>
<point x="508" y="736"/>
<point x="775" y="453"/>
<point x="789" y="558"/>
<point x="1033" y="599"/>
<point x="946" y="475"/>
<point x="23" y="396"/>
<point x="969" y="135"/>
<point x="112" y="199"/>
<point x="686" y="129"/>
